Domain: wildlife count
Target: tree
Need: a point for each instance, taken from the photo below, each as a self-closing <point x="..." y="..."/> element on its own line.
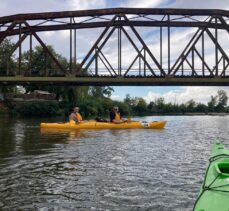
<point x="191" y="104"/>
<point x="6" y="56"/>
<point x="101" y="91"/>
<point x="212" y="103"/>
<point x="222" y="100"/>
<point x="128" y="100"/>
<point x="141" y="107"/>
<point x="151" y="105"/>
<point x="131" y="101"/>
<point x="182" y="108"/>
<point x="42" y="63"/>
<point x="201" y="108"/>
<point x="7" y="62"/>
<point x="160" y="102"/>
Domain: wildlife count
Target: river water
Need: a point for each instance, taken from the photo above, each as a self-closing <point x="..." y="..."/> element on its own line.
<point x="106" y="169"/>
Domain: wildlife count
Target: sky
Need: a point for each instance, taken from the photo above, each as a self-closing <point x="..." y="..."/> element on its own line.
<point x="178" y="94"/>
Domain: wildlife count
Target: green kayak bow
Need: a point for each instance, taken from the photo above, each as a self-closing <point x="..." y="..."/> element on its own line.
<point x="214" y="195"/>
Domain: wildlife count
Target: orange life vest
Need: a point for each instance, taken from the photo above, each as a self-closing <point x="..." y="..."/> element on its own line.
<point x="117" y="116"/>
<point x="79" y="117"/>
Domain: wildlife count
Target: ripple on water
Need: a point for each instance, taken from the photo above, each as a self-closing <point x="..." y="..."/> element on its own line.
<point x="112" y="170"/>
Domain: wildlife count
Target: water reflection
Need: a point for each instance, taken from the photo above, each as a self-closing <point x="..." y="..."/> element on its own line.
<point x="7" y="146"/>
<point x="67" y="132"/>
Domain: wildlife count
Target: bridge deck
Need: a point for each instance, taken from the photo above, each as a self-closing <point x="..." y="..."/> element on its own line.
<point x="118" y="81"/>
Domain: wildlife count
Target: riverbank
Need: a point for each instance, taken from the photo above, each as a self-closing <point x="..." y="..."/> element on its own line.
<point x="93" y="104"/>
<point x="55" y="109"/>
<point x="191" y="114"/>
<point x="97" y="102"/>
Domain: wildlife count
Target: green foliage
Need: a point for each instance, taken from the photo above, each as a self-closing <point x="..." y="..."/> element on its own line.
<point x="42" y="63"/>
<point x="6" y="56"/>
<point x="222" y="100"/>
<point x="202" y="108"/>
<point x="141" y="107"/>
<point x="190" y="105"/>
<point x="136" y="105"/>
<point x="212" y="103"/>
<point x="7" y="62"/>
<point x="39" y="109"/>
<point x="101" y="91"/>
<point x="89" y="108"/>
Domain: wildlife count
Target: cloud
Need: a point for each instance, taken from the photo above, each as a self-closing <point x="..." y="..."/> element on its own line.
<point x="197" y="93"/>
<point x="85" y="4"/>
<point x="59" y="39"/>
<point x="197" y="4"/>
<point x="11" y="7"/>
<point x="115" y="97"/>
<point x="144" y="3"/>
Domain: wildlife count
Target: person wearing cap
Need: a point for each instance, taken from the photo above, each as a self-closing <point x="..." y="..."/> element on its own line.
<point x="115" y="116"/>
<point x="75" y="115"/>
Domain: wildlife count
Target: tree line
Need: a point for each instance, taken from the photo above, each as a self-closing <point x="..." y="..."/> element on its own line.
<point x="217" y="103"/>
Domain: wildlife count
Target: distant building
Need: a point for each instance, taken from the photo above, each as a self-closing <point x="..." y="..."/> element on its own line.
<point x="37" y="95"/>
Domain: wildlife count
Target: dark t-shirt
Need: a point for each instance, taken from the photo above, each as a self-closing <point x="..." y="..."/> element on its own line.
<point x="112" y="116"/>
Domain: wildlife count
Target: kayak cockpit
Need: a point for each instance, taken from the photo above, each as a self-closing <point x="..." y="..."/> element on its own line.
<point x="222" y="168"/>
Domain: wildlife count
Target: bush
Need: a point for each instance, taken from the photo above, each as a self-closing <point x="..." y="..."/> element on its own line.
<point x="39" y="109"/>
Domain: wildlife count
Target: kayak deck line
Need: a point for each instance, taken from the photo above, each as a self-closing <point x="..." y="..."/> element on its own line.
<point x="105" y="125"/>
<point x="214" y="192"/>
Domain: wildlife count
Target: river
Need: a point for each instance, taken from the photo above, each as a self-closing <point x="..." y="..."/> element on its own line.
<point x="106" y="169"/>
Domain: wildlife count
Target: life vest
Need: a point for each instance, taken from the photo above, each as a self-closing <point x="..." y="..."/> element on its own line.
<point x="117" y="116"/>
<point x="72" y="122"/>
<point x="79" y="117"/>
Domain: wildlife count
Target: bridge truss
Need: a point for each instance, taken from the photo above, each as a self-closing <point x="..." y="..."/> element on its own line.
<point x="158" y="54"/>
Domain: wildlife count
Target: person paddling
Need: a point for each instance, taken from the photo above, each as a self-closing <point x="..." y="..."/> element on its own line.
<point x="75" y="115"/>
<point x="115" y="115"/>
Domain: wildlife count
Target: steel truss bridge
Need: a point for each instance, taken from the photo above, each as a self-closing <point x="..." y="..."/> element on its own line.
<point x="153" y="35"/>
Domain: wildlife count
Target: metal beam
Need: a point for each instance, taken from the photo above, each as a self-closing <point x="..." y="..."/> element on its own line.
<point x="138" y="51"/>
<point x="101" y="46"/>
<point x="45" y="48"/>
<point x="101" y="24"/>
<point x="97" y="41"/>
<point x="188" y="48"/>
<point x="145" y="47"/>
<point x="114" y="11"/>
<point x="118" y="81"/>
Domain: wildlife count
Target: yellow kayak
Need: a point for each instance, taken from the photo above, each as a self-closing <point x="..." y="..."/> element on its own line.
<point x="105" y="125"/>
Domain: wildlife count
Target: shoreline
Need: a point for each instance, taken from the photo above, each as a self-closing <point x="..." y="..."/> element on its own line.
<point x="190" y="114"/>
<point x="8" y="115"/>
<point x="5" y="110"/>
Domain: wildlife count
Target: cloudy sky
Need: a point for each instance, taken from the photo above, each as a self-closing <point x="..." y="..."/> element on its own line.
<point x="60" y="39"/>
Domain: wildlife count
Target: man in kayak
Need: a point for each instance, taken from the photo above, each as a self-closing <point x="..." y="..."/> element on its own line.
<point x="75" y="115"/>
<point x="115" y="116"/>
